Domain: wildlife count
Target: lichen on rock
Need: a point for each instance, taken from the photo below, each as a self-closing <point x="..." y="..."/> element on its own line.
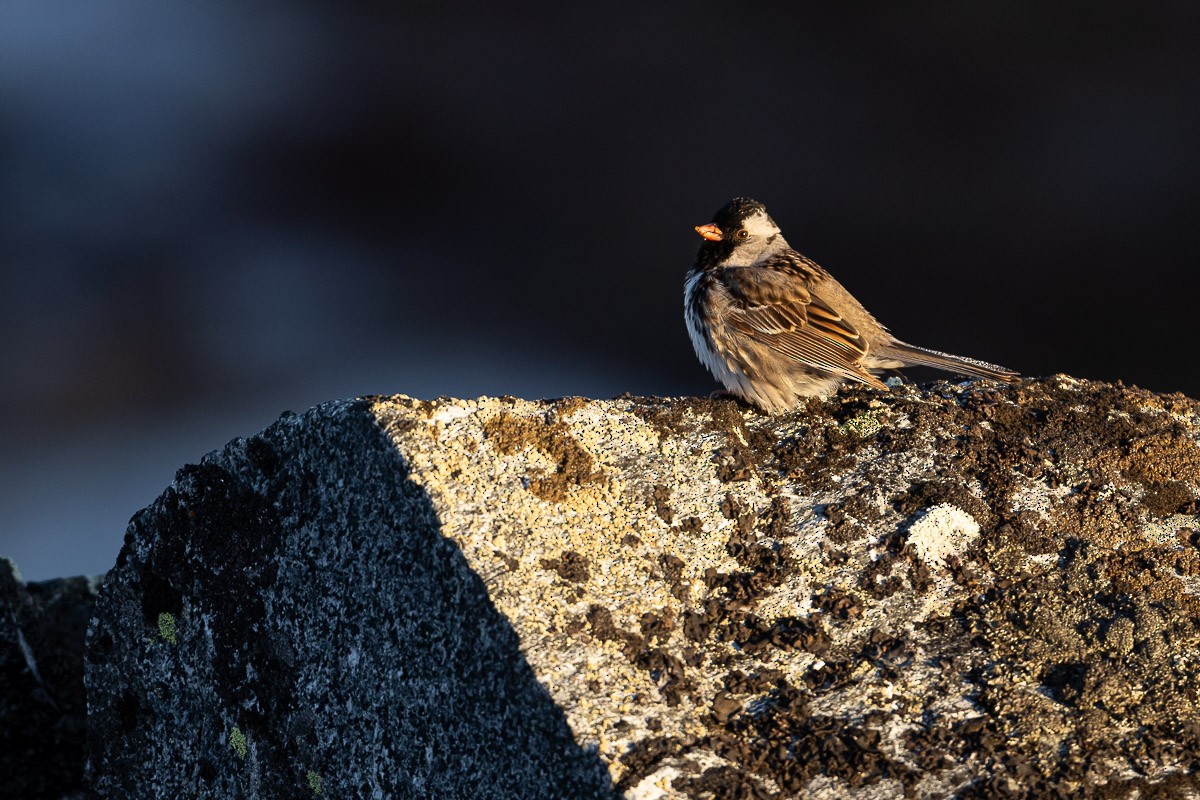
<point x="957" y="589"/>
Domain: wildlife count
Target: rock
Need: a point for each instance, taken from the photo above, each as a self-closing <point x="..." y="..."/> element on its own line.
<point x="952" y="589"/>
<point x="43" y="711"/>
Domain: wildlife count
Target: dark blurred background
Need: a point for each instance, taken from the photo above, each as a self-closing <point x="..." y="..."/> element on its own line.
<point x="211" y="213"/>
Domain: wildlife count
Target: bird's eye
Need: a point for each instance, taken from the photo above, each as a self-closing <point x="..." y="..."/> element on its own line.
<point x="743" y="234"/>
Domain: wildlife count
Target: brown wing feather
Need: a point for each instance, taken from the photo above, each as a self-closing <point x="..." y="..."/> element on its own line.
<point x="773" y="306"/>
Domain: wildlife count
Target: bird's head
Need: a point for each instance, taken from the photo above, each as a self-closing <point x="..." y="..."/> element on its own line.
<point x="740" y="232"/>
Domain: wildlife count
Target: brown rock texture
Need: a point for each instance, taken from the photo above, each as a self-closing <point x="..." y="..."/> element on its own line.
<point x="952" y="590"/>
<point x="966" y="590"/>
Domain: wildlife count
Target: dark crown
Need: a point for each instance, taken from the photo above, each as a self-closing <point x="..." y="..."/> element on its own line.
<point x="737" y="211"/>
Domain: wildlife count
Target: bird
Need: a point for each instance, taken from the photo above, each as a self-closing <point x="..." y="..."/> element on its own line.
<point x="775" y="328"/>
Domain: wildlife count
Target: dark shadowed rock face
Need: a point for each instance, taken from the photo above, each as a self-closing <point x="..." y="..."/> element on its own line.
<point x="42" y="706"/>
<point x="963" y="590"/>
<point x="287" y="621"/>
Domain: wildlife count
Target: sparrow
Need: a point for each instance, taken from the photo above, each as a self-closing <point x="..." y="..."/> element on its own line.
<point x="774" y="327"/>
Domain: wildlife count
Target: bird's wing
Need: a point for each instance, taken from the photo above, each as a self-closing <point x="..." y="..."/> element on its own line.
<point x="772" y="305"/>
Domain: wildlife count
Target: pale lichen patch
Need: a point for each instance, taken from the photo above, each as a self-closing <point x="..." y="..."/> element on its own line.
<point x="941" y="532"/>
<point x="713" y="550"/>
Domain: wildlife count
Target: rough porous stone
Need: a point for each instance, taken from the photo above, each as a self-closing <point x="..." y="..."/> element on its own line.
<point x="288" y="620"/>
<point x="43" y="712"/>
<point x="966" y="590"/>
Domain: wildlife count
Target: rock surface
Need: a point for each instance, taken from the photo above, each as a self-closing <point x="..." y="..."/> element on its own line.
<point x="43" y="711"/>
<point x="964" y="590"/>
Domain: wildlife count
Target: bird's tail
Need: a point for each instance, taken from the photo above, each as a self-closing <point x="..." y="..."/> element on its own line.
<point x="912" y="355"/>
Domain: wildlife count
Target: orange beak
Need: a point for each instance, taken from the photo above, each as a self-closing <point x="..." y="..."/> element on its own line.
<point x="710" y="232"/>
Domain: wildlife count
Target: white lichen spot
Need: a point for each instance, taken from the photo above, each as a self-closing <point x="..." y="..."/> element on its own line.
<point x="1165" y="531"/>
<point x="447" y="414"/>
<point x="1038" y="497"/>
<point x="654" y="786"/>
<point x="1191" y="585"/>
<point x="942" y="531"/>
